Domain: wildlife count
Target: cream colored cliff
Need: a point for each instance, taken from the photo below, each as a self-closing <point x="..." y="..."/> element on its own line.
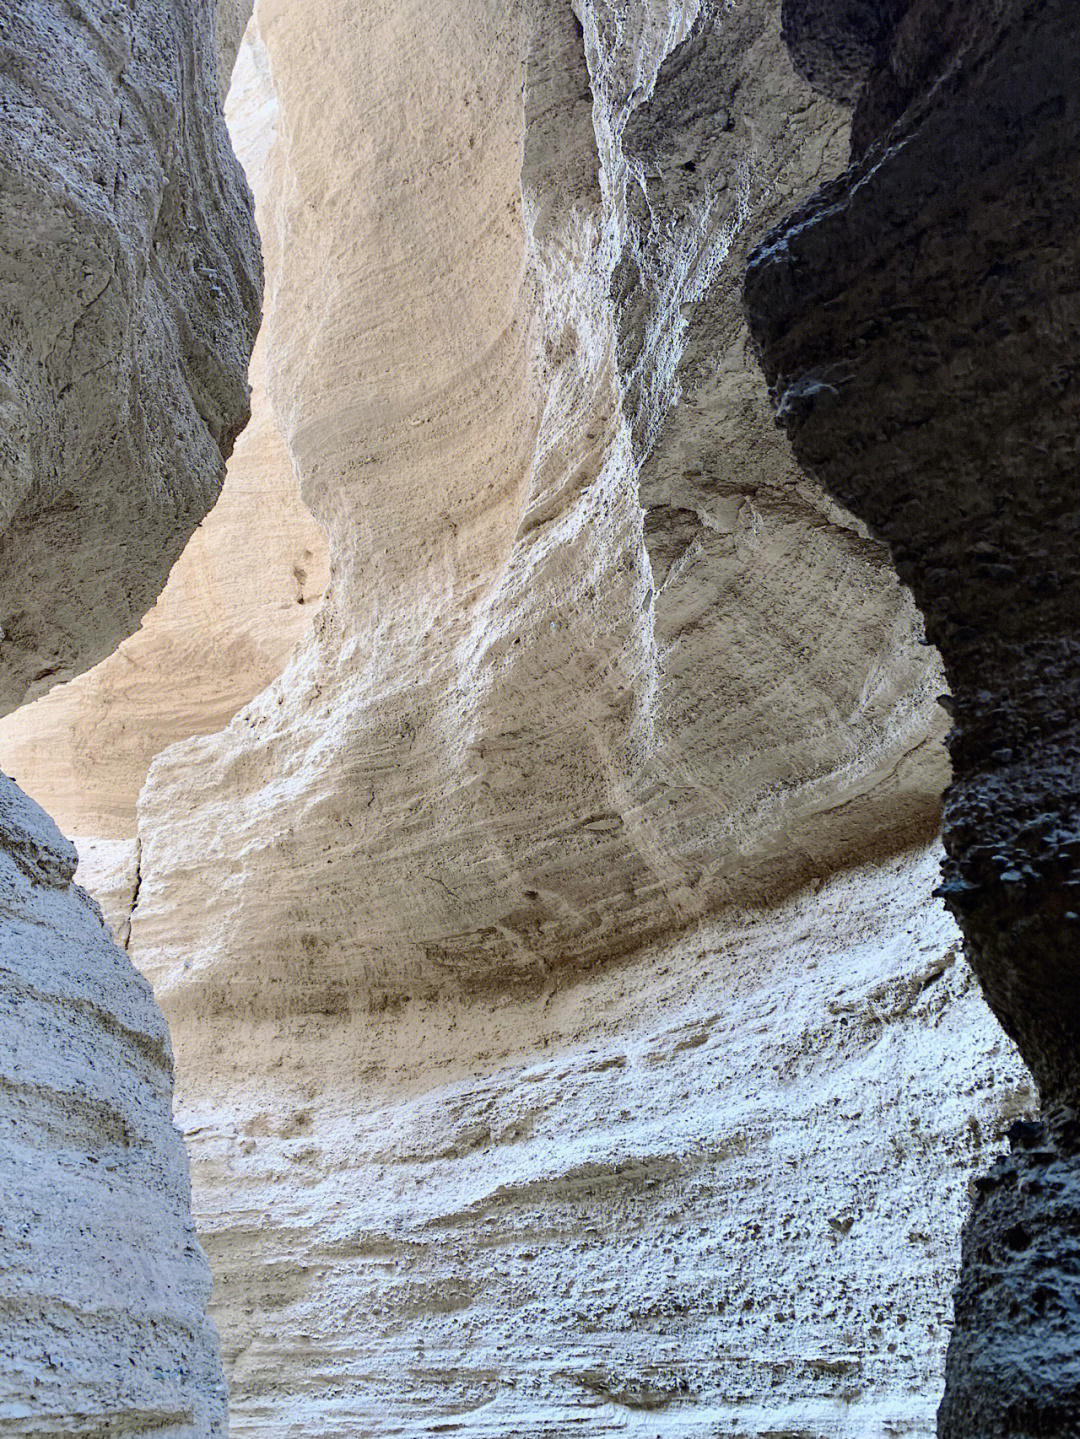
<point x="566" y="1036"/>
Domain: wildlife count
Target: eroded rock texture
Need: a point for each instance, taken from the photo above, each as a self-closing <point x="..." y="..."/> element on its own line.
<point x="534" y="726"/>
<point x="129" y="290"/>
<point x="715" y="1191"/>
<point x="129" y="298"/>
<point x="597" y="662"/>
<point x="919" y="319"/>
<point x="103" y="1286"/>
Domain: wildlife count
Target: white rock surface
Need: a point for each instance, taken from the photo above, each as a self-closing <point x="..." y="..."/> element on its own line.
<point x="715" y="1191"/>
<point x="103" y="1285"/>
<point x="533" y="1082"/>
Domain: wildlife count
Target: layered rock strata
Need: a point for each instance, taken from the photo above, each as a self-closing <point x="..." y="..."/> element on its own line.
<point x="129" y="300"/>
<point x="918" y="321"/>
<point x="596" y="661"/>
<point x="103" y="1285"/>
<point x="715" y="1191"/>
<point x="538" y="721"/>
<point x="129" y="292"/>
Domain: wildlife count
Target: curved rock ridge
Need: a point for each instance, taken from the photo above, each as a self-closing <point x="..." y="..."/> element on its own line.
<point x="129" y="299"/>
<point x="235" y="605"/>
<point x="588" y="669"/>
<point x="918" y="321"/>
<point x="715" y="1191"/>
<point x="103" y="1285"/>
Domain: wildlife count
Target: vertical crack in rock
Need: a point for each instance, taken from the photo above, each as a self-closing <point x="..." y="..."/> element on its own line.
<point x="918" y="322"/>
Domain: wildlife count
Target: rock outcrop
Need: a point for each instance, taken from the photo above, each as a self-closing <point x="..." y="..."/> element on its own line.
<point x="714" y="1191"/>
<point x="587" y="671"/>
<point x="597" y="663"/>
<point x="918" y="321"/>
<point x="103" y="1285"/>
<point x="129" y="295"/>
<point x="129" y="300"/>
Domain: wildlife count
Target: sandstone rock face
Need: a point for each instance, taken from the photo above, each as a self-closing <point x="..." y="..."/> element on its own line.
<point x="103" y="1286"/>
<point x="129" y="293"/>
<point x="129" y="298"/>
<point x="588" y="669"/>
<point x="918" y="320"/>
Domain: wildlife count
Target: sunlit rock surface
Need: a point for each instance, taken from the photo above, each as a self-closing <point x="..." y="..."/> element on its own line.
<point x="587" y="671"/>
<point x="539" y="1071"/>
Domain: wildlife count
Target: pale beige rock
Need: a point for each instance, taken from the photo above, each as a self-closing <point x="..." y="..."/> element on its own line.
<point x="236" y="603"/>
<point x="103" y="1285"/>
<point x="532" y="727"/>
<point x="599" y="675"/>
<point x="716" y="1191"/>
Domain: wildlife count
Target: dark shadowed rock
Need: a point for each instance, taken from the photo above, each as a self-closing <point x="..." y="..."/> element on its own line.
<point x="918" y="321"/>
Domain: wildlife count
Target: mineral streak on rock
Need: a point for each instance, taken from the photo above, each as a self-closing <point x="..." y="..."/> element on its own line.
<point x="918" y="320"/>
<point x="129" y="299"/>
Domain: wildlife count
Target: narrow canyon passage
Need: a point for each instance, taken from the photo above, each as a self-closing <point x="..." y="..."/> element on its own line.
<point x="524" y="796"/>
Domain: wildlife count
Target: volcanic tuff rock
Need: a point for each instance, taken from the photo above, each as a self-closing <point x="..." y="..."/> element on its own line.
<point x="129" y="291"/>
<point x="534" y="725"/>
<point x="918" y="319"/>
<point x="596" y="661"/>
<point x="129" y="299"/>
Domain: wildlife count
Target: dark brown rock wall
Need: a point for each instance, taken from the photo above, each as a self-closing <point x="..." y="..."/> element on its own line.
<point x="918" y="321"/>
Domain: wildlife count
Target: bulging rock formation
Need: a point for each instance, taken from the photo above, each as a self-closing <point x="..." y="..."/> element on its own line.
<point x="566" y="1035"/>
<point x="588" y="669"/>
<point x="129" y="296"/>
<point x="129" y="300"/>
<point x="918" y="322"/>
<point x="103" y="1285"/>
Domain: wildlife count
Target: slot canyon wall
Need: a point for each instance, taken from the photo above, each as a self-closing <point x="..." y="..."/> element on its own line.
<point x="918" y="320"/>
<point x="129" y="296"/>
<point x="566" y="1035"/>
